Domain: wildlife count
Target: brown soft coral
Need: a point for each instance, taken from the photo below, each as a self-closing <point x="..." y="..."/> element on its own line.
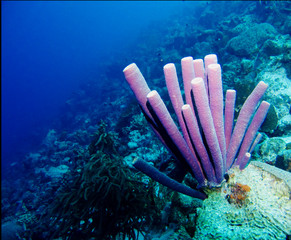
<point x="236" y="193"/>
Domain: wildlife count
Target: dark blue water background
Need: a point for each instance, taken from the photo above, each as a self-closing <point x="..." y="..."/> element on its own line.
<point x="49" y="49"/>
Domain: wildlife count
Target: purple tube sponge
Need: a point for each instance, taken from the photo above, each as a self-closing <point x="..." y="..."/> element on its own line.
<point x="243" y="121"/>
<point x="162" y="178"/>
<point x="164" y="116"/>
<point x="208" y="146"/>
<point x="207" y="124"/>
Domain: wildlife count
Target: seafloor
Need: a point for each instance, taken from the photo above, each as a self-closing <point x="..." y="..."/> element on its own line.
<point x="80" y="183"/>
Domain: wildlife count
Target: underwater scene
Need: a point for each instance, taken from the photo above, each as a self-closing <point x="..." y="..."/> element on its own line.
<point x="150" y="120"/>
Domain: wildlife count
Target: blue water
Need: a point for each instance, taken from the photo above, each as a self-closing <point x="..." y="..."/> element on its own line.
<point x="49" y="49"/>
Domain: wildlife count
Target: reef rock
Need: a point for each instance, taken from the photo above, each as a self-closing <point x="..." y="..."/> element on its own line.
<point x="263" y="211"/>
<point x="250" y="40"/>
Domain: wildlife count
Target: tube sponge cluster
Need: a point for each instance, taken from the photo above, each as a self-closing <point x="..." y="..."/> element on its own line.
<point x="209" y="143"/>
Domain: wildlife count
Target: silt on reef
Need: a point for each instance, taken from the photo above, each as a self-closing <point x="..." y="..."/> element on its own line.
<point x="254" y="204"/>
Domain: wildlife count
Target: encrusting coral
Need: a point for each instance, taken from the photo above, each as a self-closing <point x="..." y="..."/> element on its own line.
<point x="259" y="208"/>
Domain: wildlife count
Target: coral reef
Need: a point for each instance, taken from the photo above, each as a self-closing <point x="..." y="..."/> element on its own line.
<point x="31" y="187"/>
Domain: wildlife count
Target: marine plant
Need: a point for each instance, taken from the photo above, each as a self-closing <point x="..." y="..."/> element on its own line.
<point x="209" y="144"/>
<point x="105" y="199"/>
<point x="103" y="141"/>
